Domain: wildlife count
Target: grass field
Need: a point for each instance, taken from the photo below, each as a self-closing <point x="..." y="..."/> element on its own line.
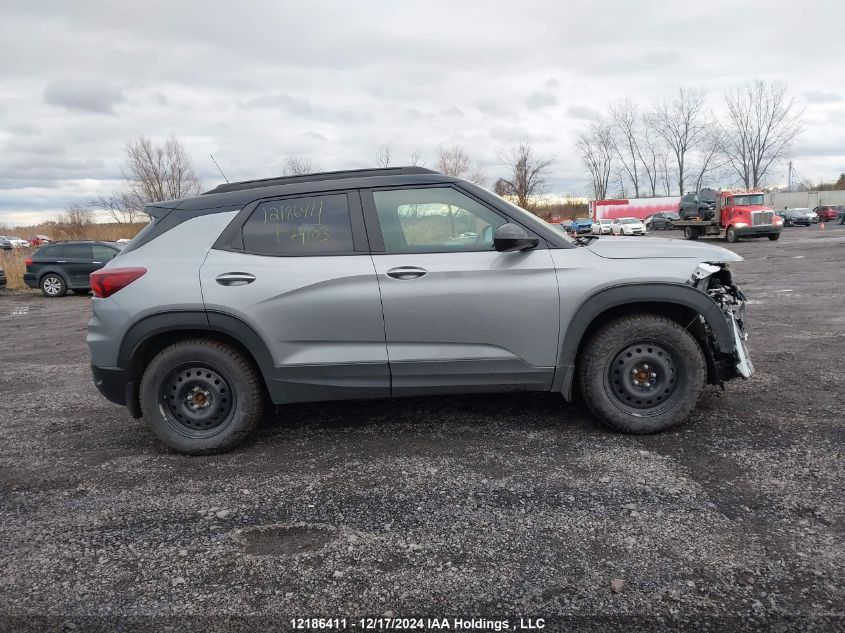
<point x="14" y="261"/>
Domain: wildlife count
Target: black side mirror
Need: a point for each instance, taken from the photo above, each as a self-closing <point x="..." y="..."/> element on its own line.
<point x="512" y="237"/>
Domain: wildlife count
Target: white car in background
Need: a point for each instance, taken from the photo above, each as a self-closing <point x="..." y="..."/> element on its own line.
<point x="602" y="227"/>
<point x="628" y="226"/>
<point x="16" y="242"/>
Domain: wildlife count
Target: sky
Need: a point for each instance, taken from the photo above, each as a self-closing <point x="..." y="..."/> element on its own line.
<point x="253" y="82"/>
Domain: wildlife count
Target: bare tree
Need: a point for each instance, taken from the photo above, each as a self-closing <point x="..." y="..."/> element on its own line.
<point x="528" y="173"/>
<point x="383" y="155"/>
<point x="625" y="119"/>
<point x="414" y="159"/>
<point x="120" y="206"/>
<point x="597" y="150"/>
<point x="153" y="173"/>
<point x="74" y="221"/>
<point x="711" y="151"/>
<point x="651" y="151"/>
<point x="762" y="122"/>
<point x="454" y="161"/>
<point x="299" y="165"/>
<point x="682" y="124"/>
<point x="160" y="172"/>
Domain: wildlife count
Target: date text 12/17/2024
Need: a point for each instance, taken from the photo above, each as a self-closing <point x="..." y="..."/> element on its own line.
<point x="417" y="624"/>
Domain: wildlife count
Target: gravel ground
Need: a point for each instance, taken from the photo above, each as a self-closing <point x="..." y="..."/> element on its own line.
<point x="494" y="506"/>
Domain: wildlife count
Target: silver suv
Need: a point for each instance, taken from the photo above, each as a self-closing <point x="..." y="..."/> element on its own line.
<point x="395" y="282"/>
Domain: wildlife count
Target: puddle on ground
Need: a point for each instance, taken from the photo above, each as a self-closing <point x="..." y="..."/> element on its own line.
<point x="275" y="540"/>
<point x="20" y="311"/>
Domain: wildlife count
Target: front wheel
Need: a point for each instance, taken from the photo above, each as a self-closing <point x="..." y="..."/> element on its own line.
<point x="774" y="237"/>
<point x="730" y="235"/>
<point x="200" y="396"/>
<point x="642" y="374"/>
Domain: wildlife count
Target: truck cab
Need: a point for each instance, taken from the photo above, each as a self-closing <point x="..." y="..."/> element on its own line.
<point x="735" y="215"/>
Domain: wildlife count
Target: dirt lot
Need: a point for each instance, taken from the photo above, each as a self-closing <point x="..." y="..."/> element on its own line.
<point x="502" y="506"/>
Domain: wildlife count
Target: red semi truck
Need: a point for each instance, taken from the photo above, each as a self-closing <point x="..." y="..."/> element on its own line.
<point x="728" y="214"/>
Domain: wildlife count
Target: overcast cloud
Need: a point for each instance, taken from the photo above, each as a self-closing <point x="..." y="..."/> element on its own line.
<point x="252" y="82"/>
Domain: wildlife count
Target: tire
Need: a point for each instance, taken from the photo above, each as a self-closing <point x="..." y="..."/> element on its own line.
<point x="201" y="397"/>
<point x="841" y="219"/>
<point x="670" y="226"/>
<point x="730" y="235"/>
<point x="649" y="345"/>
<point x="774" y="237"/>
<point x="53" y="285"/>
<point x="690" y="233"/>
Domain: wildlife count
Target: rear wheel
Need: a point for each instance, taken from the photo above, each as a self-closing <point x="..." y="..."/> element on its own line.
<point x="774" y="237"/>
<point x="201" y="396"/>
<point x="690" y="233"/>
<point x="642" y="374"/>
<point x="731" y="235"/>
<point x="53" y="285"/>
<point x="841" y="219"/>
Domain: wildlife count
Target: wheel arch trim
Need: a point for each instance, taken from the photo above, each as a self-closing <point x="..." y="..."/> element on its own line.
<point x="598" y="304"/>
<point x="212" y="322"/>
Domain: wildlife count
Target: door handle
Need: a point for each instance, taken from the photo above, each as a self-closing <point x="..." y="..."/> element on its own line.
<point x="406" y="272"/>
<point x="234" y="279"/>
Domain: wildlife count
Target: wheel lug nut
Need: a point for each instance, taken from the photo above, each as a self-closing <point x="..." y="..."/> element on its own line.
<point x="645" y="367"/>
<point x="636" y="382"/>
<point x="653" y="375"/>
<point x="634" y="370"/>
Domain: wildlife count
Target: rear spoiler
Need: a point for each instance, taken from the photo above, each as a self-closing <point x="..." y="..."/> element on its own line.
<point x="158" y="210"/>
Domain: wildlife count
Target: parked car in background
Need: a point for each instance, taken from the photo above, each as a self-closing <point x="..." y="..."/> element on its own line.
<point x="794" y="217"/>
<point x="5" y="245"/>
<point x="581" y="225"/>
<point x="628" y="226"/>
<point x="826" y="213"/>
<point x="38" y="240"/>
<point x="15" y="241"/>
<point x="62" y="266"/>
<point x="2" y="279"/>
<point x="812" y="215"/>
<point x="840" y="211"/>
<point x="602" y="227"/>
<point x="663" y="220"/>
<point x="565" y="225"/>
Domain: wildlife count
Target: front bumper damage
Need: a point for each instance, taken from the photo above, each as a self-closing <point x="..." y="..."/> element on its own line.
<point x="715" y="280"/>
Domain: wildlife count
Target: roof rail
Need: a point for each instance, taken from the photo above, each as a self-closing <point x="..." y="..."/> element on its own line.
<point x="325" y="175"/>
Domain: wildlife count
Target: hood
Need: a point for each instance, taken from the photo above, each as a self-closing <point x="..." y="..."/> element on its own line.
<point x="646" y="248"/>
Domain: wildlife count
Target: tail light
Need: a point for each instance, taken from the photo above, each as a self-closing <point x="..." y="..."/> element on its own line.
<point x="28" y="261"/>
<point x="106" y="281"/>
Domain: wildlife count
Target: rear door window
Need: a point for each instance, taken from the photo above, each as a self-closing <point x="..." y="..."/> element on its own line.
<point x="309" y="225"/>
<point x="50" y="252"/>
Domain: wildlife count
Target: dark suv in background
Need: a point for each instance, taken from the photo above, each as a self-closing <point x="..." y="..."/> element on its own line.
<point x="62" y="266"/>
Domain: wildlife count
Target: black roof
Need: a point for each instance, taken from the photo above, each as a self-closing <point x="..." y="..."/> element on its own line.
<point x="235" y="195"/>
<point x="319" y="176"/>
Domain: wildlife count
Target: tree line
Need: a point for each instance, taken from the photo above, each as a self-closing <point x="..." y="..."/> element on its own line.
<point x="679" y="144"/>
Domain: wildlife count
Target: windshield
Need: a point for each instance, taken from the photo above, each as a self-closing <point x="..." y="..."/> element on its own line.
<point x="741" y="201"/>
<point x="629" y="221"/>
<point x="603" y="221"/>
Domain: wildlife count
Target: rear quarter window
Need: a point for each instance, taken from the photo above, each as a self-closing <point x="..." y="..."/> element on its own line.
<point x="309" y="225"/>
<point x="48" y="252"/>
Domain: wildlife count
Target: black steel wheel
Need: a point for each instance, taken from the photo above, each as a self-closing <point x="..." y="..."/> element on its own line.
<point x="201" y="396"/>
<point x="196" y="400"/>
<point x="644" y="378"/>
<point x="642" y="373"/>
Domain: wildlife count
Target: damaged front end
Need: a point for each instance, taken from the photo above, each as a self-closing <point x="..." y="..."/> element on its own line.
<point x="715" y="281"/>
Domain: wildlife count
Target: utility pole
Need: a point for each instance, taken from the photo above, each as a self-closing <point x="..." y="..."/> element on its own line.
<point x="790" y="175"/>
